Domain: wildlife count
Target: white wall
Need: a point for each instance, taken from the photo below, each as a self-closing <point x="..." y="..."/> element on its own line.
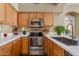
<point x="59" y="17"/>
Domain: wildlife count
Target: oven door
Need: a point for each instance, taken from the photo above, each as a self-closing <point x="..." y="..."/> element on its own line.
<point x="36" y="46"/>
<point x="36" y="41"/>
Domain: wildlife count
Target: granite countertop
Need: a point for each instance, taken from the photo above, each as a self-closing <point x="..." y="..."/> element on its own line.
<point x="10" y="38"/>
<point x="72" y="49"/>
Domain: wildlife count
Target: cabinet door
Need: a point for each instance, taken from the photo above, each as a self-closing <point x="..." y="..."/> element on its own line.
<point x="49" y="47"/>
<point x="6" y="49"/>
<point x="39" y="15"/>
<point x="25" y="45"/>
<point x="23" y="19"/>
<point x="16" y="47"/>
<point x="14" y="13"/>
<point x="2" y="12"/>
<point x="48" y="19"/>
<point x="32" y="15"/>
<point x="9" y="16"/>
<point x="58" y="51"/>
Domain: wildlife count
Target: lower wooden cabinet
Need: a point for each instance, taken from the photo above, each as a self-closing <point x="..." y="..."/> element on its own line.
<point x="25" y="46"/>
<point x="48" y="47"/>
<point x="6" y="49"/>
<point x="52" y="49"/>
<point x="57" y="50"/>
<point x="16" y="48"/>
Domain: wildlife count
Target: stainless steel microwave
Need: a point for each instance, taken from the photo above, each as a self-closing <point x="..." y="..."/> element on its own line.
<point x="36" y="23"/>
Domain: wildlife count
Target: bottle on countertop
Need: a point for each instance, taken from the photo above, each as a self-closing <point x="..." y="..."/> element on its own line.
<point x="24" y="31"/>
<point x="15" y="31"/>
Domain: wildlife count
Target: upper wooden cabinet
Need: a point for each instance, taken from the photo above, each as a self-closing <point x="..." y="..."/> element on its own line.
<point x="32" y="15"/>
<point x="9" y="15"/>
<point x="48" y="19"/>
<point x="35" y="15"/>
<point x="23" y="19"/>
<point x="14" y="12"/>
<point x="40" y="15"/>
<point x="2" y="12"/>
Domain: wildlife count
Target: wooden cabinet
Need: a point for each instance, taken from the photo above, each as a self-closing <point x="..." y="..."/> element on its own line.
<point x="40" y="15"/>
<point x="16" y="49"/>
<point x="9" y="15"/>
<point x="48" y="19"/>
<point x="6" y="49"/>
<point x="45" y="45"/>
<point x="32" y="15"/>
<point x="20" y="46"/>
<point x="36" y="15"/>
<point x="48" y="47"/>
<point x="2" y="12"/>
<point x="14" y="13"/>
<point x="23" y="19"/>
<point x="58" y="51"/>
<point x="25" y="46"/>
<point x="52" y="49"/>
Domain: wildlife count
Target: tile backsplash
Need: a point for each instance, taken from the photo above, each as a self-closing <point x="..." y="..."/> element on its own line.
<point x="6" y="28"/>
<point x="23" y="27"/>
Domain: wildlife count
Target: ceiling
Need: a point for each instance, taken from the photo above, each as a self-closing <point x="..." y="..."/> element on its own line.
<point x="38" y="7"/>
<point x="41" y="7"/>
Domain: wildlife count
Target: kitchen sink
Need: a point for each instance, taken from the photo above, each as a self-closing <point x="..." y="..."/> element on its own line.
<point x="66" y="40"/>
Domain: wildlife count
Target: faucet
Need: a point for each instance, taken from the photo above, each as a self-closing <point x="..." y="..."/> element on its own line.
<point x="70" y="24"/>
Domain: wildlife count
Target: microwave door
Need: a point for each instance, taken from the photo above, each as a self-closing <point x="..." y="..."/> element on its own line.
<point x="35" y="24"/>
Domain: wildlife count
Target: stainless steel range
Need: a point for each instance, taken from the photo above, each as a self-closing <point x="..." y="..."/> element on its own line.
<point x="36" y="43"/>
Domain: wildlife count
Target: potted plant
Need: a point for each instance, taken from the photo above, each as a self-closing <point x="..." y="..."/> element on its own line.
<point x="59" y="29"/>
